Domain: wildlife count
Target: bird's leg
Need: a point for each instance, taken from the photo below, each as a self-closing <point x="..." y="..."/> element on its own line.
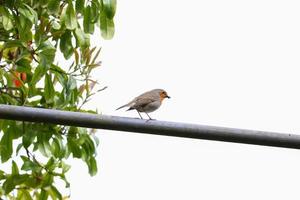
<point x="139" y="114"/>
<point x="149" y="116"/>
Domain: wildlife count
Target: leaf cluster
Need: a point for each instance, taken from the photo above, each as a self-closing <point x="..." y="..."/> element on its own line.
<point x="34" y="36"/>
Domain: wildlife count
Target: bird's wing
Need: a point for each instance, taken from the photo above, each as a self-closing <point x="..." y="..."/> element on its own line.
<point x="141" y="102"/>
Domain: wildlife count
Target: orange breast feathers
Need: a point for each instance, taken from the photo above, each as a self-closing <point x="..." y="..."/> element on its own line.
<point x="162" y="96"/>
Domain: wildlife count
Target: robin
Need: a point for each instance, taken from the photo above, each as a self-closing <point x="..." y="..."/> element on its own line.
<point x="147" y="102"/>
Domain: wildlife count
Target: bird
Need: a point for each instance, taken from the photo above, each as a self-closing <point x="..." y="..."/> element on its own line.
<point x="147" y="102"/>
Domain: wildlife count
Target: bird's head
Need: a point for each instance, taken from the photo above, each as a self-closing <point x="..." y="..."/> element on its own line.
<point x="163" y="94"/>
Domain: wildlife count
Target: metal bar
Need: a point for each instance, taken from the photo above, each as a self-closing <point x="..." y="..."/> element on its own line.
<point x="149" y="126"/>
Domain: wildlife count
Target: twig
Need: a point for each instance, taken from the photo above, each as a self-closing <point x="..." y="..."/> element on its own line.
<point x="87" y="98"/>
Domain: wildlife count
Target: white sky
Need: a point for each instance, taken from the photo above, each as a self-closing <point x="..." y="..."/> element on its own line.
<point x="225" y="63"/>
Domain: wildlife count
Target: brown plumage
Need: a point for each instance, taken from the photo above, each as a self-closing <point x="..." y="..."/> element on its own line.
<point x="147" y="102"/>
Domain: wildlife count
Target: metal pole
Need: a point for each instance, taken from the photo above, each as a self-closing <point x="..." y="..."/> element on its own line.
<point x="151" y="127"/>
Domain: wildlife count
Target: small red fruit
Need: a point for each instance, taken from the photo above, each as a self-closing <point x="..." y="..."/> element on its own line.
<point x="21" y="76"/>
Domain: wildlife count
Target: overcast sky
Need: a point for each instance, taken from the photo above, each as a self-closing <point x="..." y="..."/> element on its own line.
<point x="225" y="63"/>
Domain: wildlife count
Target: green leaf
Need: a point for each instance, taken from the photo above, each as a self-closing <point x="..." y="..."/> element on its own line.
<point x="24" y="195"/>
<point x="31" y="14"/>
<point x="65" y="167"/>
<point x="82" y="131"/>
<point x="42" y="142"/>
<point x="14" y="168"/>
<point x="63" y="16"/>
<point x="74" y="148"/>
<point x="45" y="148"/>
<point x="39" y="72"/>
<point x="7" y="21"/>
<point x="88" y="25"/>
<point x="20" y="178"/>
<point x="8" y="99"/>
<point x="71" y="89"/>
<point x="47" y="180"/>
<point x="24" y="65"/>
<point x="95" y="11"/>
<point x="73" y="131"/>
<point x="12" y="43"/>
<point x="92" y="165"/>
<point x="49" y="91"/>
<point x="56" y="148"/>
<point x="43" y="3"/>
<point x="32" y="182"/>
<point x="82" y="39"/>
<point x="70" y="17"/>
<point x="30" y="135"/>
<point x="60" y="74"/>
<point x="65" y="44"/>
<point x="10" y="3"/>
<point x="56" y="68"/>
<point x="29" y="165"/>
<point x="24" y="28"/>
<point x="110" y="8"/>
<point x="71" y="83"/>
<point x="12" y="181"/>
<point x="55" y="25"/>
<point x="6" y="147"/>
<point x="107" y="27"/>
<point x="53" y="6"/>
<point x="8" y="185"/>
<point x="79" y="6"/>
<point x="51" y="164"/>
<point x="19" y="147"/>
<point x="27" y="12"/>
<point x="54" y="193"/>
<point x="46" y="53"/>
<point x="2" y="175"/>
<point x="15" y="130"/>
<point x="43" y="195"/>
<point x="88" y="145"/>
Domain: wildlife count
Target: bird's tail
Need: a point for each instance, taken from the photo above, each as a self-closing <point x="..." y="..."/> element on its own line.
<point x="122" y="107"/>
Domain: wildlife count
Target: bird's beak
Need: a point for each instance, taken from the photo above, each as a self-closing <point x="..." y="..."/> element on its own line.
<point x="168" y="97"/>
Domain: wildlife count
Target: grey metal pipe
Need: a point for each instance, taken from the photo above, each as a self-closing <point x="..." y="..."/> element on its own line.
<point x="151" y="127"/>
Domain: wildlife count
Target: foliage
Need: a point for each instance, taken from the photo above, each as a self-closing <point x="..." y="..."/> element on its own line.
<point x="34" y="34"/>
